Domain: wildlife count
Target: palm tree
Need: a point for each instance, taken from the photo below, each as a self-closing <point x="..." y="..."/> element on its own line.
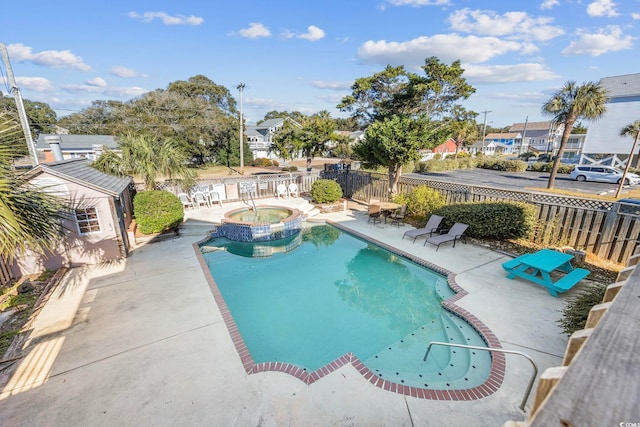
<point x="30" y="218"/>
<point x="632" y="130"/>
<point x="148" y="158"/>
<point x="570" y="103"/>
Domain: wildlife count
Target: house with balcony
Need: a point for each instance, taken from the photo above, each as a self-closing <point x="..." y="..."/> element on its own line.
<point x="539" y="137"/>
<point x="260" y="137"/>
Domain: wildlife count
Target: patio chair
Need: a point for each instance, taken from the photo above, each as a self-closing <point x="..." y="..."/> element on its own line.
<point x="454" y="234"/>
<point x="397" y="217"/>
<point x="200" y="199"/>
<point x="293" y="190"/>
<point x="432" y="226"/>
<point x="374" y="213"/>
<point x="186" y="200"/>
<point x="281" y="191"/>
<point x="214" y="197"/>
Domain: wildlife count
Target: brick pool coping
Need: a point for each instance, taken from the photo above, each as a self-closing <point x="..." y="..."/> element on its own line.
<point x="487" y="388"/>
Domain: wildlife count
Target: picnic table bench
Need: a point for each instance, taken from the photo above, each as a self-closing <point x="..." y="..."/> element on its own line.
<point x="537" y="268"/>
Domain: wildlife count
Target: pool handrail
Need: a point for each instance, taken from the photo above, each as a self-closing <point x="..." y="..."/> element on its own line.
<point x="499" y="350"/>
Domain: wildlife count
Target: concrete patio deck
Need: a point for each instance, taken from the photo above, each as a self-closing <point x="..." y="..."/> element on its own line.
<point x="142" y="342"/>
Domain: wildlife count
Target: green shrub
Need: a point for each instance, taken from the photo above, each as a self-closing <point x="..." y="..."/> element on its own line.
<point x="492" y="220"/>
<point x="157" y="211"/>
<point x="290" y="169"/>
<point x="575" y="313"/>
<point x="275" y="163"/>
<point x="501" y="164"/>
<point x="261" y="162"/>
<point x="421" y="202"/>
<point x="326" y="191"/>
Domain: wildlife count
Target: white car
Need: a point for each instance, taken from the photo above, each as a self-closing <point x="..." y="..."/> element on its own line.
<point x="602" y="174"/>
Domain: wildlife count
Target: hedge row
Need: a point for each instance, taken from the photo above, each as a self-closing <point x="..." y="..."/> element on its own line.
<point x="492" y="220"/>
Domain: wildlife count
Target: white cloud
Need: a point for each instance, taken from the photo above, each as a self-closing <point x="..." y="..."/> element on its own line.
<point x="549" y="4"/>
<point x="36" y="84"/>
<point x="494" y="74"/>
<point x="94" y="86"/>
<point x="447" y="47"/>
<point x="48" y="58"/>
<point x="120" y="71"/>
<point x="517" y="25"/>
<point x="332" y="85"/>
<point x="602" y="8"/>
<point x="97" y="82"/>
<point x="166" y="18"/>
<point x="313" y="34"/>
<point x="635" y="15"/>
<point x="255" y="30"/>
<point x="608" y="39"/>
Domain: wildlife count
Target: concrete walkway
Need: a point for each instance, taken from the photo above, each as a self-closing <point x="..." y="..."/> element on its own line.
<point x="142" y="342"/>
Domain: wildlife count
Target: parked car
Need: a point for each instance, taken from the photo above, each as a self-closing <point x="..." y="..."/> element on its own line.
<point x="602" y="174"/>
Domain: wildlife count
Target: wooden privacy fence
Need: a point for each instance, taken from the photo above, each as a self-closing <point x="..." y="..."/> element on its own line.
<point x="607" y="229"/>
<point x="5" y="273"/>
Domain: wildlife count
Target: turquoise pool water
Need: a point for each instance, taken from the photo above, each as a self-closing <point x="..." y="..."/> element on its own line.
<point x="336" y="293"/>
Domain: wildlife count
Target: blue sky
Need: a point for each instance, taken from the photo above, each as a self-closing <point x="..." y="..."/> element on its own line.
<point x="304" y="55"/>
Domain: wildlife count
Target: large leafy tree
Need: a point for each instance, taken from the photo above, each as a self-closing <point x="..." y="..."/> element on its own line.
<point x="317" y="130"/>
<point x="148" y="158"/>
<point x="288" y="140"/>
<point x="632" y="130"/>
<point x="394" y="96"/>
<point x="569" y="104"/>
<point x="100" y="118"/>
<point x="202" y="87"/>
<point x="391" y="142"/>
<point x="297" y="116"/>
<point x="376" y="97"/>
<point x="463" y="127"/>
<point x="30" y="218"/>
<point x="40" y="116"/>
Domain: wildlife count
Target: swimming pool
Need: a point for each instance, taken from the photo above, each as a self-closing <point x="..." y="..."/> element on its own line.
<point x="339" y="299"/>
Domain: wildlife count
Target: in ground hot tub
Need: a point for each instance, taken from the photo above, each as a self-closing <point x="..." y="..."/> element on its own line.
<point x="265" y="223"/>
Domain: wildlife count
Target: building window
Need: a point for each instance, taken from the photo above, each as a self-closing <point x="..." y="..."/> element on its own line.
<point x="87" y="220"/>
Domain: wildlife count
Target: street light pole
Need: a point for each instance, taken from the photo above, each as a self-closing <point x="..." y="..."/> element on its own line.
<point x="484" y="128"/>
<point x="240" y="88"/>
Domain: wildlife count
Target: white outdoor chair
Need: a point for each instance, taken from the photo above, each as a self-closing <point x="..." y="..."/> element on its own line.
<point x="186" y="200"/>
<point x="281" y="190"/>
<point x="293" y="190"/>
<point x="214" y="197"/>
<point x="200" y="199"/>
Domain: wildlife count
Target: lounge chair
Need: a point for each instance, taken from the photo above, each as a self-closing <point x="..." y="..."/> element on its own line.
<point x="454" y="234"/>
<point x="432" y="226"/>
<point x="374" y="213"/>
<point x="397" y="217"/>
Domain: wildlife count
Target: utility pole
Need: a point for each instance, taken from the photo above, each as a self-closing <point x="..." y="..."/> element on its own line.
<point x="484" y="127"/>
<point x="524" y="134"/>
<point x="240" y="87"/>
<point x="20" y="106"/>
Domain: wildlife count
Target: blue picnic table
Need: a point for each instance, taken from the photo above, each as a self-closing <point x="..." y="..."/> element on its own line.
<point x="537" y="268"/>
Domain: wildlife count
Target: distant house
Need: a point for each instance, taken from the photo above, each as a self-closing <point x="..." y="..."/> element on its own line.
<point x="538" y="137"/>
<point x="447" y="148"/>
<point x="489" y="148"/>
<point x="260" y="137"/>
<point x="75" y="146"/>
<point x="603" y="143"/>
<point x="98" y="223"/>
